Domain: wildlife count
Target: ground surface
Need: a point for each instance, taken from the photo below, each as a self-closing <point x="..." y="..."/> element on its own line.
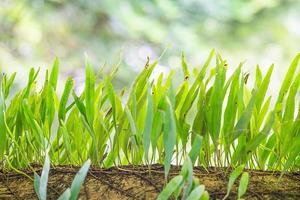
<point x="137" y="182"/>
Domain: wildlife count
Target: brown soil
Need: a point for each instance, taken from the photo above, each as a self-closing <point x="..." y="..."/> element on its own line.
<point x="137" y="182"/>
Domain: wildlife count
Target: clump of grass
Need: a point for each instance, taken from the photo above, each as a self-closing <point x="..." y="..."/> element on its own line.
<point x="158" y="123"/>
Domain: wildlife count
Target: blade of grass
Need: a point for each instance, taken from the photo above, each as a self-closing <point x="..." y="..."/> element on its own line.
<point x="43" y="180"/>
<point x="79" y="179"/>
<point x="195" y="151"/>
<point x="196" y="193"/>
<point x="243" y="184"/>
<point x="64" y="99"/>
<point x="169" y="135"/>
<point x="148" y="124"/>
<point x="3" y="136"/>
<point x="170" y="188"/>
<point x="233" y="176"/>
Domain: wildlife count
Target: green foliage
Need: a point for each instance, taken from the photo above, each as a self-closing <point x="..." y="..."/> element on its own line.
<point x="243" y="184"/>
<point x="224" y="119"/>
<point x="173" y="185"/>
<point x="79" y="179"/>
<point x="233" y="176"/>
<point x="40" y="183"/>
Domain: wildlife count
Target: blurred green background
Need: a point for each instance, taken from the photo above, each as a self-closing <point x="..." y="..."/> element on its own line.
<point x="33" y="33"/>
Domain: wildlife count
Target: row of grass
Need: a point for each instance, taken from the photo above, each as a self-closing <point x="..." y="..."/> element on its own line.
<point x="155" y="121"/>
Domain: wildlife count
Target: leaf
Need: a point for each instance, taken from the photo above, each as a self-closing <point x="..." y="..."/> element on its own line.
<point x="169" y="136"/>
<point x="257" y="140"/>
<point x="44" y="179"/>
<point x="156" y="128"/>
<point x="181" y="95"/>
<point x="290" y="102"/>
<point x="267" y="150"/>
<point x="205" y="196"/>
<point x="287" y="81"/>
<point x="79" y="179"/>
<point x="7" y="84"/>
<point x="66" y="195"/>
<point x="195" y="151"/>
<point x="196" y="193"/>
<point x="187" y="173"/>
<point x="231" y="107"/>
<point x="184" y="67"/>
<point x="80" y="105"/>
<point x="112" y="97"/>
<point x="263" y="112"/>
<point x="261" y="93"/>
<point x="233" y="176"/>
<point x="64" y="99"/>
<point x="243" y="184"/>
<point x="170" y="188"/>
<point x="243" y="122"/>
<point x="54" y="74"/>
<point x="36" y="185"/>
<point x="148" y="123"/>
<point x="293" y="152"/>
<point x="89" y="91"/>
<point x="66" y="138"/>
<point x="214" y="110"/>
<point x="206" y="65"/>
<point x="3" y="136"/>
<point x="132" y="126"/>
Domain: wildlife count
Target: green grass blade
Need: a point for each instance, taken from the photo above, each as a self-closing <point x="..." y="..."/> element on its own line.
<point x="3" y="136"/>
<point x="89" y="92"/>
<point x="148" y="124"/>
<point x="66" y="195"/>
<point x="261" y="93"/>
<point x="170" y="188"/>
<point x="169" y="136"/>
<point x="196" y="193"/>
<point x="36" y="184"/>
<point x="243" y="122"/>
<point x="214" y="112"/>
<point x="184" y="67"/>
<point x="233" y="176"/>
<point x="44" y="179"/>
<point x="287" y="81"/>
<point x="290" y="102"/>
<point x="80" y="105"/>
<point x="261" y="136"/>
<point x="7" y="84"/>
<point x="195" y="151"/>
<point x="64" y="99"/>
<point x="263" y="112"/>
<point x="54" y="74"/>
<point x="258" y="76"/>
<point x="79" y="179"/>
<point x="157" y="128"/>
<point x="205" y="196"/>
<point x="243" y="184"/>
<point x="231" y="108"/>
<point x="206" y="65"/>
<point x="187" y="173"/>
